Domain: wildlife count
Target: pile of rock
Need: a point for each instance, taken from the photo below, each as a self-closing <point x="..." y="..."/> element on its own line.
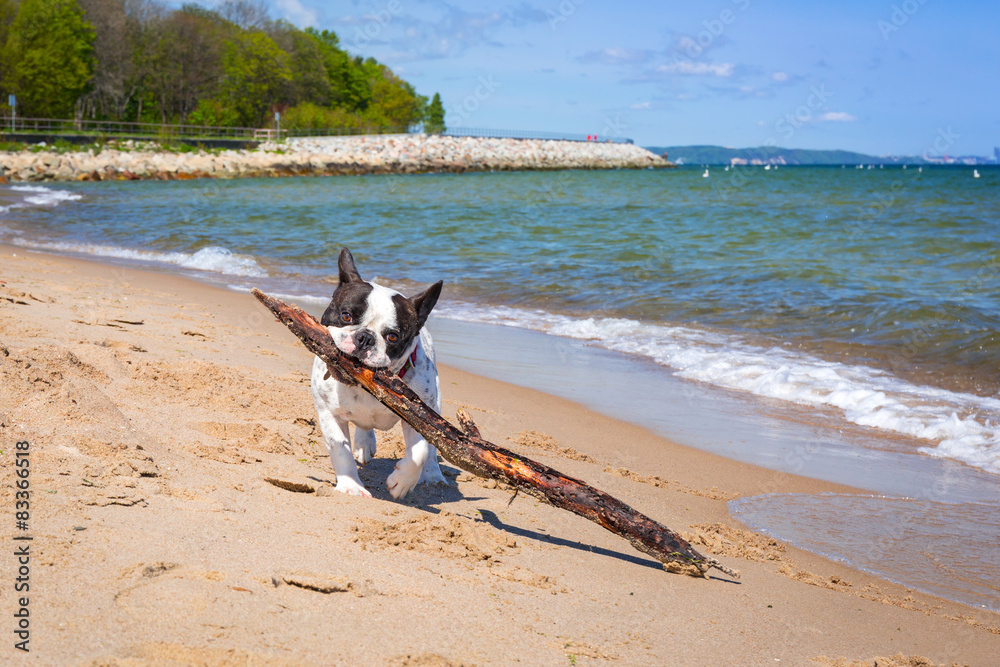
<point x="408" y="152"/>
<point x="316" y="156"/>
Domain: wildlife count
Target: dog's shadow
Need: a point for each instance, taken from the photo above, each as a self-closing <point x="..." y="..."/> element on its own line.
<point x="423" y="496"/>
<point x="492" y="519"/>
<point x="427" y="497"/>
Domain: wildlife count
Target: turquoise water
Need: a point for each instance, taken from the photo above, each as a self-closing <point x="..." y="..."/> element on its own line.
<point x="895" y="258"/>
<point x="861" y="302"/>
<point x="870" y="294"/>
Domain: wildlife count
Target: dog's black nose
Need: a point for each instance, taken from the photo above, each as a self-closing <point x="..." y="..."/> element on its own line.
<point x="364" y="339"/>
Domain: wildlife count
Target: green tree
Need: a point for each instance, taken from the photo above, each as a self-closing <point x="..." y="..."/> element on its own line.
<point x="230" y="65"/>
<point x="306" y="60"/>
<point x="118" y="43"/>
<point x="48" y="59"/>
<point x="394" y="103"/>
<point x="185" y="60"/>
<point x="256" y="72"/>
<point x="213" y="112"/>
<point x="434" y="123"/>
<point x="348" y="79"/>
<point x="245" y="14"/>
<point x="8" y="10"/>
<point x="309" y="116"/>
<point x="149" y="16"/>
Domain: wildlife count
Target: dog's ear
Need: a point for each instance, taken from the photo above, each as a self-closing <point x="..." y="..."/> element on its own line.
<point x="424" y="303"/>
<point x="348" y="272"/>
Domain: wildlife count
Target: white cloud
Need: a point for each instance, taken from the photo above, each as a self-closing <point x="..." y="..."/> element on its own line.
<point x="616" y="55"/>
<point x="296" y="13"/>
<point x="691" y="68"/>
<point x="684" y="43"/>
<point x="641" y="106"/>
<point x="780" y="76"/>
<point x="837" y="117"/>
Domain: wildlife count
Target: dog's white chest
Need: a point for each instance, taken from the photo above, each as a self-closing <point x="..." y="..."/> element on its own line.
<point x="364" y="410"/>
<point x="350" y="404"/>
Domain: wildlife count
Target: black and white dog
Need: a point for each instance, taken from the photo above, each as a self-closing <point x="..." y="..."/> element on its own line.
<point x="381" y="328"/>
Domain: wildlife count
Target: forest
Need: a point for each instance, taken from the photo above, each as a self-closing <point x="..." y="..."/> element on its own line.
<point x="232" y="66"/>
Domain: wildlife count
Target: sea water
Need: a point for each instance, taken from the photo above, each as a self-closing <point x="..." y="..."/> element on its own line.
<point x="864" y="302"/>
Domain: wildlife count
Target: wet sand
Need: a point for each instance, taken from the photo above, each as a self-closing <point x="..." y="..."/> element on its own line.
<point x="182" y="512"/>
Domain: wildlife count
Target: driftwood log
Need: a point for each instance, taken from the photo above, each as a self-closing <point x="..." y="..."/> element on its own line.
<point x="467" y="450"/>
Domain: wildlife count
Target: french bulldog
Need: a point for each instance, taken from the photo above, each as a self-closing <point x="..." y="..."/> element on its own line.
<point x="381" y="328"/>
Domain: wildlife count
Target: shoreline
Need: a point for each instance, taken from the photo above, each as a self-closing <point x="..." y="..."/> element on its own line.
<point x="188" y="494"/>
<point x="644" y="388"/>
<point x="324" y="156"/>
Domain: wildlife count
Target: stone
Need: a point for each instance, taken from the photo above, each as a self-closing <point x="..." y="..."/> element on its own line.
<point x="406" y="153"/>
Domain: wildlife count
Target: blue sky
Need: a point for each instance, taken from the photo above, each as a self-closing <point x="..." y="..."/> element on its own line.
<point x="876" y="76"/>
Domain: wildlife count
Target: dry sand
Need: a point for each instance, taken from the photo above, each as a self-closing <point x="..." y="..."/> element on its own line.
<point x="182" y="512"/>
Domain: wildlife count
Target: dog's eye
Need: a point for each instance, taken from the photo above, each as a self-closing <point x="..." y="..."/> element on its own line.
<point x="346" y="317"/>
<point x="391" y="337"/>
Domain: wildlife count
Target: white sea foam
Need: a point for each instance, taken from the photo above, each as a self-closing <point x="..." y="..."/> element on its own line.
<point x="303" y="298"/>
<point x="39" y="195"/>
<point x="955" y="425"/>
<point x="212" y="258"/>
<point x="310" y="299"/>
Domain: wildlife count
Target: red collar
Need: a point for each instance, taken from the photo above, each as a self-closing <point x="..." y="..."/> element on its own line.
<point x="408" y="365"/>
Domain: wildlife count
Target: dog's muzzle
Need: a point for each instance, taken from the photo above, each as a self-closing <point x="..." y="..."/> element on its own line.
<point x="364" y="340"/>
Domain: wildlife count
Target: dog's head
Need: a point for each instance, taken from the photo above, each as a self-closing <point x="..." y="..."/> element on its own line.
<point x="374" y="324"/>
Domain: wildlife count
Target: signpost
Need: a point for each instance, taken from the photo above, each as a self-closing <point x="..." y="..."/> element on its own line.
<point x="277" y="119"/>
<point x="12" y="101"/>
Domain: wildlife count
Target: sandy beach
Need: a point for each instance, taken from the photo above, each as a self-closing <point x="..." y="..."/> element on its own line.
<point x="182" y="512"/>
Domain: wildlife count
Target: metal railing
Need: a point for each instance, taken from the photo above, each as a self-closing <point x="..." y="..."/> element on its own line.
<point x="156" y="131"/>
<point x="55" y="126"/>
<point x="347" y="131"/>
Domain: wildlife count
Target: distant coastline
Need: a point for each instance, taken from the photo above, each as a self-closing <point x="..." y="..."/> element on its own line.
<point x="321" y="156"/>
<point x="774" y="155"/>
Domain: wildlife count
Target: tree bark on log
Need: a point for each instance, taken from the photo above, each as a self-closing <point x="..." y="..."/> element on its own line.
<point x="471" y="453"/>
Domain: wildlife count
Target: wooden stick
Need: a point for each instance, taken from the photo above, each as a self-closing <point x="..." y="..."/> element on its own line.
<point x="470" y="452"/>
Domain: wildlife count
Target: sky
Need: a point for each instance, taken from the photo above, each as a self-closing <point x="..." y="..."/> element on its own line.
<point x="884" y="77"/>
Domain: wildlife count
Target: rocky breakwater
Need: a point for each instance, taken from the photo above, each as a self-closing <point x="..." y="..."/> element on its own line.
<point x="318" y="156"/>
<point x="408" y="153"/>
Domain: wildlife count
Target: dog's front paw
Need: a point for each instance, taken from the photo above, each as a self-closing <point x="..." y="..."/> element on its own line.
<point x="405" y="477"/>
<point x="352" y="488"/>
